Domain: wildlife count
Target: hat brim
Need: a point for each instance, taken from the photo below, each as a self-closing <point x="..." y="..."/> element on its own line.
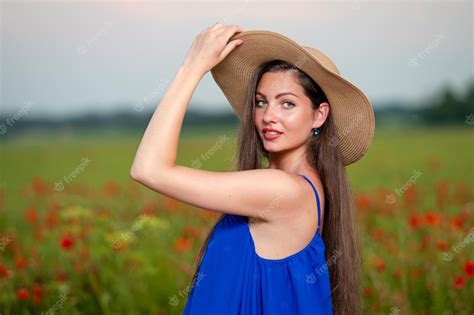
<point x="351" y="109"/>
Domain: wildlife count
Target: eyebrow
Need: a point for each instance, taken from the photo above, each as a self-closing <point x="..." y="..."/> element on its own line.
<point x="278" y="95"/>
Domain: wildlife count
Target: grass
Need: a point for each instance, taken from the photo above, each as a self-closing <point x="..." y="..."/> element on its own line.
<point x="90" y="243"/>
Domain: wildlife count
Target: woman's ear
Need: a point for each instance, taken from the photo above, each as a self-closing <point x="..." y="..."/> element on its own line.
<point x="321" y="114"/>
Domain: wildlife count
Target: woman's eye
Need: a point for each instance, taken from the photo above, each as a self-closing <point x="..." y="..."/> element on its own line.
<point x="257" y="103"/>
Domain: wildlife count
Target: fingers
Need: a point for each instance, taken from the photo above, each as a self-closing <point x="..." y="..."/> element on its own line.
<point x="217" y="25"/>
<point x="219" y="28"/>
<point x="212" y="27"/>
<point x="228" y="48"/>
<point x="228" y="31"/>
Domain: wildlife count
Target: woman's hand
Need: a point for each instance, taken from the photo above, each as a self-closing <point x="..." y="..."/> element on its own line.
<point x="211" y="46"/>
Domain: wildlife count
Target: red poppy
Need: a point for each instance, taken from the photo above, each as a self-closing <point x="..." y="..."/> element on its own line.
<point x="22" y="294"/>
<point x="410" y="195"/>
<point x="443" y="189"/>
<point x="377" y="234"/>
<point x="31" y="216"/>
<point x="379" y="264"/>
<point x="368" y="292"/>
<point x="110" y="188"/>
<point x="204" y="213"/>
<point x="414" y="221"/>
<point x="61" y="276"/>
<point x="459" y="282"/>
<point x="456" y="223"/>
<point x="442" y="194"/>
<point x="39" y="186"/>
<point x="442" y="245"/>
<point x="171" y="205"/>
<point x="149" y="210"/>
<point x="469" y="268"/>
<point x="36" y="300"/>
<point x="398" y="273"/>
<point x="425" y="241"/>
<point x="4" y="273"/>
<point x="182" y="244"/>
<point x="78" y="267"/>
<point x="362" y="202"/>
<point x="21" y="263"/>
<point x="67" y="242"/>
<point x="52" y="218"/>
<point x="432" y="218"/>
<point x="37" y="291"/>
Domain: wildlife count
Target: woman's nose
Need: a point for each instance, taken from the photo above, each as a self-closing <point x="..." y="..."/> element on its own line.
<point x="270" y="113"/>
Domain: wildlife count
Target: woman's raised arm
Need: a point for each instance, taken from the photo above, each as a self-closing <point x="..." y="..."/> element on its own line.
<point x="267" y="194"/>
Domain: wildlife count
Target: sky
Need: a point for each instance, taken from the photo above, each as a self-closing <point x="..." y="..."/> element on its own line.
<point x="61" y="58"/>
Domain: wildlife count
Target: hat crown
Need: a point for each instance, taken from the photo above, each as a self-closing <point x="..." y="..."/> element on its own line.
<point x="323" y="59"/>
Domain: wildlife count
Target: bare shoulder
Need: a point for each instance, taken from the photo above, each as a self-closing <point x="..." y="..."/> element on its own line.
<point x="266" y="194"/>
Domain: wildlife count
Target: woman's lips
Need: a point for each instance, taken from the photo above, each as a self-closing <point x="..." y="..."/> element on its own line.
<point x="268" y="136"/>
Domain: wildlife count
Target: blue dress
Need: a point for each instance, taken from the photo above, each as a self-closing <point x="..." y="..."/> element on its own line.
<point x="234" y="279"/>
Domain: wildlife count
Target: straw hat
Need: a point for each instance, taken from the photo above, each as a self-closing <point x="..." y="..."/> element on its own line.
<point x="352" y="112"/>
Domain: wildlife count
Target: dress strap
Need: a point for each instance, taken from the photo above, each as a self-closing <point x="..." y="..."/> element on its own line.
<point x="317" y="200"/>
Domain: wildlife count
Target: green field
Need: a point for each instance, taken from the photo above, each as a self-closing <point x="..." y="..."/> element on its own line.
<point x="74" y="240"/>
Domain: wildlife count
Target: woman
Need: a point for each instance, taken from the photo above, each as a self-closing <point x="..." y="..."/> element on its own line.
<point x="285" y="241"/>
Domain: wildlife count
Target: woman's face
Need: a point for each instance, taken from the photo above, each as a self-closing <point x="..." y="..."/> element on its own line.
<point x="290" y="114"/>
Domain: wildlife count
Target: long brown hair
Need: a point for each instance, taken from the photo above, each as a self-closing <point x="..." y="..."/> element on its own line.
<point x="340" y="235"/>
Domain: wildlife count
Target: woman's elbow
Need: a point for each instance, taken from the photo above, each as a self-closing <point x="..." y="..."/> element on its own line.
<point x="137" y="174"/>
<point x="145" y="176"/>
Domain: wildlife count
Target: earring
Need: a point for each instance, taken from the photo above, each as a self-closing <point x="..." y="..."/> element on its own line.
<point x="316" y="131"/>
